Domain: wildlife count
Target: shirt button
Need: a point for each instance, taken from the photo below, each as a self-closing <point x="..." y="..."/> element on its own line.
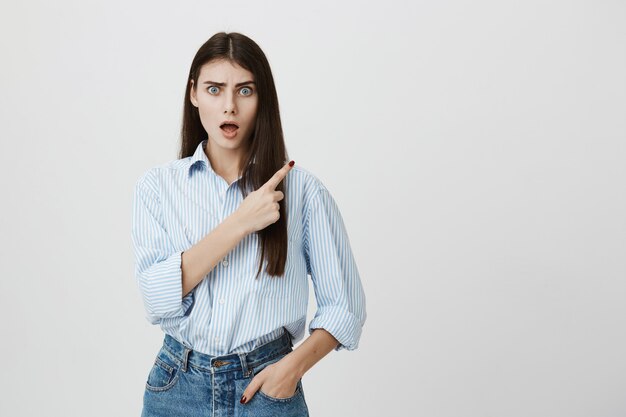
<point x="225" y="262"/>
<point x="222" y="301"/>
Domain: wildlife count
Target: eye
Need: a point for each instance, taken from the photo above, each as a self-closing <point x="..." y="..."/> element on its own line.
<point x="210" y="87"/>
<point x="247" y="88"/>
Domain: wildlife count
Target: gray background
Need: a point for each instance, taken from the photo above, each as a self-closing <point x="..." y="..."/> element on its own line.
<point x="476" y="151"/>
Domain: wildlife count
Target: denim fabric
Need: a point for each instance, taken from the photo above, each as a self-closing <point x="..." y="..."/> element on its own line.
<point x="185" y="382"/>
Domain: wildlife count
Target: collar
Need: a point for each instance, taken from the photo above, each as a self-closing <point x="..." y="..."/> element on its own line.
<point x="200" y="160"/>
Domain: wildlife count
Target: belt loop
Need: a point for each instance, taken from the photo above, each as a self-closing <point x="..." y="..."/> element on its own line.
<point x="185" y="358"/>
<point x="244" y="364"/>
<point x="288" y="336"/>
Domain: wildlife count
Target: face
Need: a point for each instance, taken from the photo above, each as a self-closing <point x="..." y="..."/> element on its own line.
<point x="226" y="91"/>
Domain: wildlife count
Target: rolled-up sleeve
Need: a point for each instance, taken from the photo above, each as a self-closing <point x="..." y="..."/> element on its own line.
<point x="157" y="265"/>
<point x="336" y="282"/>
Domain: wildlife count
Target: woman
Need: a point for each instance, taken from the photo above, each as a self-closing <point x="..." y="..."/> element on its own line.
<point x="224" y="239"/>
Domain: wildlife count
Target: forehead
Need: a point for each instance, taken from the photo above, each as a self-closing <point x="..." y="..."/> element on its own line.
<point x="223" y="70"/>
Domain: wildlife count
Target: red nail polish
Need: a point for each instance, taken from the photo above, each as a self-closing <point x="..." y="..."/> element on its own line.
<point x="291" y="163"/>
<point x="242" y="400"/>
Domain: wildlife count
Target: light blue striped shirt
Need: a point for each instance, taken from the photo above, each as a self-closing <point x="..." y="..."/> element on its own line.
<point x="177" y="203"/>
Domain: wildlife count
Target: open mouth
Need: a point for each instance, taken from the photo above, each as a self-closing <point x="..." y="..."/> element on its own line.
<point x="229" y="127"/>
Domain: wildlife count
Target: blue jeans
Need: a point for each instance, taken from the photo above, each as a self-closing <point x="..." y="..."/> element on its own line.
<point x="184" y="382"/>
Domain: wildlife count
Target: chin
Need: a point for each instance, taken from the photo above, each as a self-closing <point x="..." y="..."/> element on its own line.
<point x="227" y="144"/>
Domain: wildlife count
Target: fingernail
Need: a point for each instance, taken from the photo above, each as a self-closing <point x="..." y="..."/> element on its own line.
<point x="291" y="163"/>
<point x="243" y="399"/>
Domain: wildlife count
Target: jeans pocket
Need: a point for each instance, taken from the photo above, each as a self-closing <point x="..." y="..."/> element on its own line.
<point x="164" y="373"/>
<point x="282" y="400"/>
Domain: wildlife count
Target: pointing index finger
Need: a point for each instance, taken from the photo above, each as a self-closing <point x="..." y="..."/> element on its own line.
<point x="273" y="182"/>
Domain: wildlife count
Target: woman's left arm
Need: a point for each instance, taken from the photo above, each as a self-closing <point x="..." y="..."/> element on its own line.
<point x="284" y="375"/>
<point x="319" y="344"/>
<point x="340" y="298"/>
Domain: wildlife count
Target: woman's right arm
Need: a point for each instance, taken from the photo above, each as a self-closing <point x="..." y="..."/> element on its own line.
<point x="166" y="276"/>
<point x="202" y="257"/>
<point x="259" y="209"/>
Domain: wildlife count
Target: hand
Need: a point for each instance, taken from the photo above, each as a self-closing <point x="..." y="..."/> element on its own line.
<point x="278" y="380"/>
<point x="260" y="208"/>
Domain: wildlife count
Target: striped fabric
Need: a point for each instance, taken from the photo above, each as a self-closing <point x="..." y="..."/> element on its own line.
<point x="177" y="203"/>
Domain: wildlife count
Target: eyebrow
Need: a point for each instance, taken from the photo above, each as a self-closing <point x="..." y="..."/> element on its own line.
<point x="223" y="84"/>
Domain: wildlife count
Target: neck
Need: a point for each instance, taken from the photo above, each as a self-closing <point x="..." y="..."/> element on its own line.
<point x="225" y="162"/>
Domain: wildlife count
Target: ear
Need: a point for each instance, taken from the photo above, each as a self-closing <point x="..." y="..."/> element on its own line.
<point x="192" y="95"/>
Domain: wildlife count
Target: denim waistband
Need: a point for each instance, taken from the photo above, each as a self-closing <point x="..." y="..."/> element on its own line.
<point x="243" y="361"/>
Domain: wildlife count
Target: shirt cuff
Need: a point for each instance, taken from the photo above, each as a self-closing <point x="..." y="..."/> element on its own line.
<point x="342" y="324"/>
<point x="162" y="287"/>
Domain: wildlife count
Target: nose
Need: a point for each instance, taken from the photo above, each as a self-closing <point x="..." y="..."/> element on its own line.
<point x="229" y="106"/>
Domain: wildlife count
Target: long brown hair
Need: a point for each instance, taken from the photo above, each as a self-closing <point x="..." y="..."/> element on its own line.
<point x="266" y="146"/>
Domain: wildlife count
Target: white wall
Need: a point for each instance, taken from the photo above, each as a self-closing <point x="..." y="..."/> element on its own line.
<point x="476" y="150"/>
